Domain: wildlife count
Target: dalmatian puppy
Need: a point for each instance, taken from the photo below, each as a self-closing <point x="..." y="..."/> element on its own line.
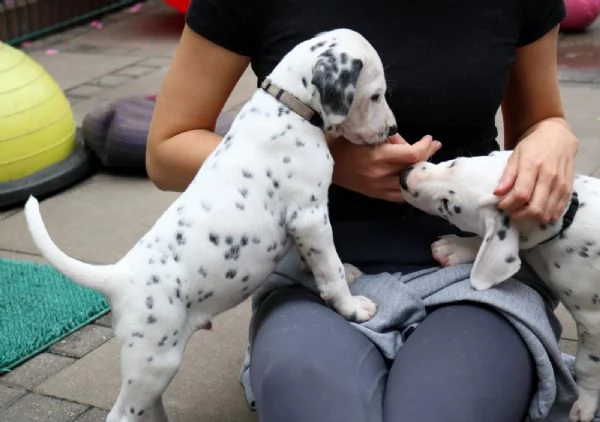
<point x="261" y="192"/>
<point x="561" y="252"/>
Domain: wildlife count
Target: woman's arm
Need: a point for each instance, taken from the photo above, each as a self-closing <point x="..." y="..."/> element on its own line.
<point x="196" y="87"/>
<point x="533" y="94"/>
<point x="538" y="178"/>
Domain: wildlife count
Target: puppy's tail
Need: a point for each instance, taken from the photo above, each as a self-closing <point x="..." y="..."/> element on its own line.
<point x="97" y="277"/>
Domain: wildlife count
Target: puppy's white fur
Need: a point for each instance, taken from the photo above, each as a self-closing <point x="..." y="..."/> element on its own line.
<point x="261" y="191"/>
<point x="461" y="192"/>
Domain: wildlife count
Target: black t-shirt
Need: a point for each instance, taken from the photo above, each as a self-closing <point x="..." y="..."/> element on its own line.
<point x="447" y="63"/>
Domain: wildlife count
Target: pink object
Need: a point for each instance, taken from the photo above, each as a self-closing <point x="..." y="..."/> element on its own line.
<point x="580" y="14"/>
<point x="51" y="52"/>
<point x="180" y="5"/>
<point x="96" y="24"/>
<point x="135" y="8"/>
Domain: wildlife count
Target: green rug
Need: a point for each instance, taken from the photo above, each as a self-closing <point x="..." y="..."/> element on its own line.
<point x="38" y="307"/>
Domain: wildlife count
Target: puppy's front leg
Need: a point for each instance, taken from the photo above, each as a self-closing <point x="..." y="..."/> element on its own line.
<point x="453" y="250"/>
<point x="315" y="243"/>
<point x="352" y="272"/>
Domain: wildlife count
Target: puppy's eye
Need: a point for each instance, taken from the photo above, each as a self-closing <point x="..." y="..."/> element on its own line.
<point x="375" y="98"/>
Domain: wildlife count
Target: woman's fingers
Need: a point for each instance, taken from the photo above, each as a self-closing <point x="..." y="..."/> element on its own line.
<point x="407" y="154"/>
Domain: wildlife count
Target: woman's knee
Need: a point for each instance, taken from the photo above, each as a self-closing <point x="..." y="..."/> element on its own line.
<point x="465" y="362"/>
<point x="307" y="360"/>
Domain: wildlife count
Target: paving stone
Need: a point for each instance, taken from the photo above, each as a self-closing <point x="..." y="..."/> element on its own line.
<point x="86" y="48"/>
<point x="568" y="346"/>
<point x="23" y="256"/>
<point x="37" y="408"/>
<point x="36" y="370"/>
<point x="74" y="99"/>
<point x="83" y="341"/>
<point x="569" y="331"/>
<point x="111" y="81"/>
<point x="93" y="415"/>
<point x="7" y="213"/>
<point x="156" y="62"/>
<point x="73" y="69"/>
<point x="85" y="90"/>
<point x="9" y="395"/>
<point x="135" y="71"/>
<point x="105" y="321"/>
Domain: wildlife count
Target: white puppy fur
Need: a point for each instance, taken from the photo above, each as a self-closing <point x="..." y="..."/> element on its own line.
<point x="568" y="260"/>
<point x="261" y="191"/>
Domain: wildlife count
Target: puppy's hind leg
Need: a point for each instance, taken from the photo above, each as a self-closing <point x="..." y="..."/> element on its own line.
<point x="148" y="364"/>
<point x="587" y="371"/>
<point x="316" y="246"/>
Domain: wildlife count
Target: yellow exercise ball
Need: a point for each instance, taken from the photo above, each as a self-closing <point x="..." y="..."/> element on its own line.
<point x="37" y="127"/>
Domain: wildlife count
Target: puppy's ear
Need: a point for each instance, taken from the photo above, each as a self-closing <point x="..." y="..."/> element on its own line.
<point x="498" y="256"/>
<point x="335" y="76"/>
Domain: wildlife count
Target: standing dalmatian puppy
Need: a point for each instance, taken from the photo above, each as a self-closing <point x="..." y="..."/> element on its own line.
<point x="262" y="191"/>
<point x="564" y="254"/>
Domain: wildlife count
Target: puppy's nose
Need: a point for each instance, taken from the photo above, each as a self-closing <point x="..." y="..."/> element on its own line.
<point x="404" y="177"/>
<point x="392" y="130"/>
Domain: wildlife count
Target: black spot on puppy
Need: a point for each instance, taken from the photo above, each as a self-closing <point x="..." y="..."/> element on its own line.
<point x="230" y="274"/>
<point x="457" y="209"/>
<point x="214" y="239"/>
<point x="247" y="174"/>
<point x="501" y="234"/>
<point x="594" y="358"/>
<point x="149" y="302"/>
<point x="510" y="259"/>
<point x="179" y="238"/>
<point x="317" y="45"/>
<point x="304" y="82"/>
<point x="151" y="319"/>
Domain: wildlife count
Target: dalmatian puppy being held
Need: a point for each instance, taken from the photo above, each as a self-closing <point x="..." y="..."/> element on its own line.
<point x="262" y="191"/>
<point x="563" y="251"/>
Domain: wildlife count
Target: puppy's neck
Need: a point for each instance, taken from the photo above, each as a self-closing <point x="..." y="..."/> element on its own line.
<point x="533" y="234"/>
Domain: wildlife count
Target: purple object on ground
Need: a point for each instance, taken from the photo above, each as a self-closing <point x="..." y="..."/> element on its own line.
<point x="117" y="133"/>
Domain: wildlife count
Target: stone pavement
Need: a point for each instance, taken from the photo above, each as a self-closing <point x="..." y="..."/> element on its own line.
<point x="78" y="379"/>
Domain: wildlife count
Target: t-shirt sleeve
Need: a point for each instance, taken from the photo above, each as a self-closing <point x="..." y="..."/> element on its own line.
<point x="539" y="17"/>
<point x="228" y="23"/>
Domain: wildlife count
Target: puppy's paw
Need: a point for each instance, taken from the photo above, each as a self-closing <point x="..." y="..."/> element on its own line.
<point x="453" y="250"/>
<point x="584" y="409"/>
<point x="358" y="309"/>
<point x="352" y="273"/>
<point x="580" y="414"/>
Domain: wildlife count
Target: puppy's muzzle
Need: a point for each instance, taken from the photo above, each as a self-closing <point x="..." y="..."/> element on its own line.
<point x="404" y="177"/>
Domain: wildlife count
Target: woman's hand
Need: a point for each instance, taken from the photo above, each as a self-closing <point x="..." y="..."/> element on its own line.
<point x="538" y="179"/>
<point x="373" y="170"/>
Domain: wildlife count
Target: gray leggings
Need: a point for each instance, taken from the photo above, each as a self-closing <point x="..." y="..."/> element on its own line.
<point x="463" y="363"/>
